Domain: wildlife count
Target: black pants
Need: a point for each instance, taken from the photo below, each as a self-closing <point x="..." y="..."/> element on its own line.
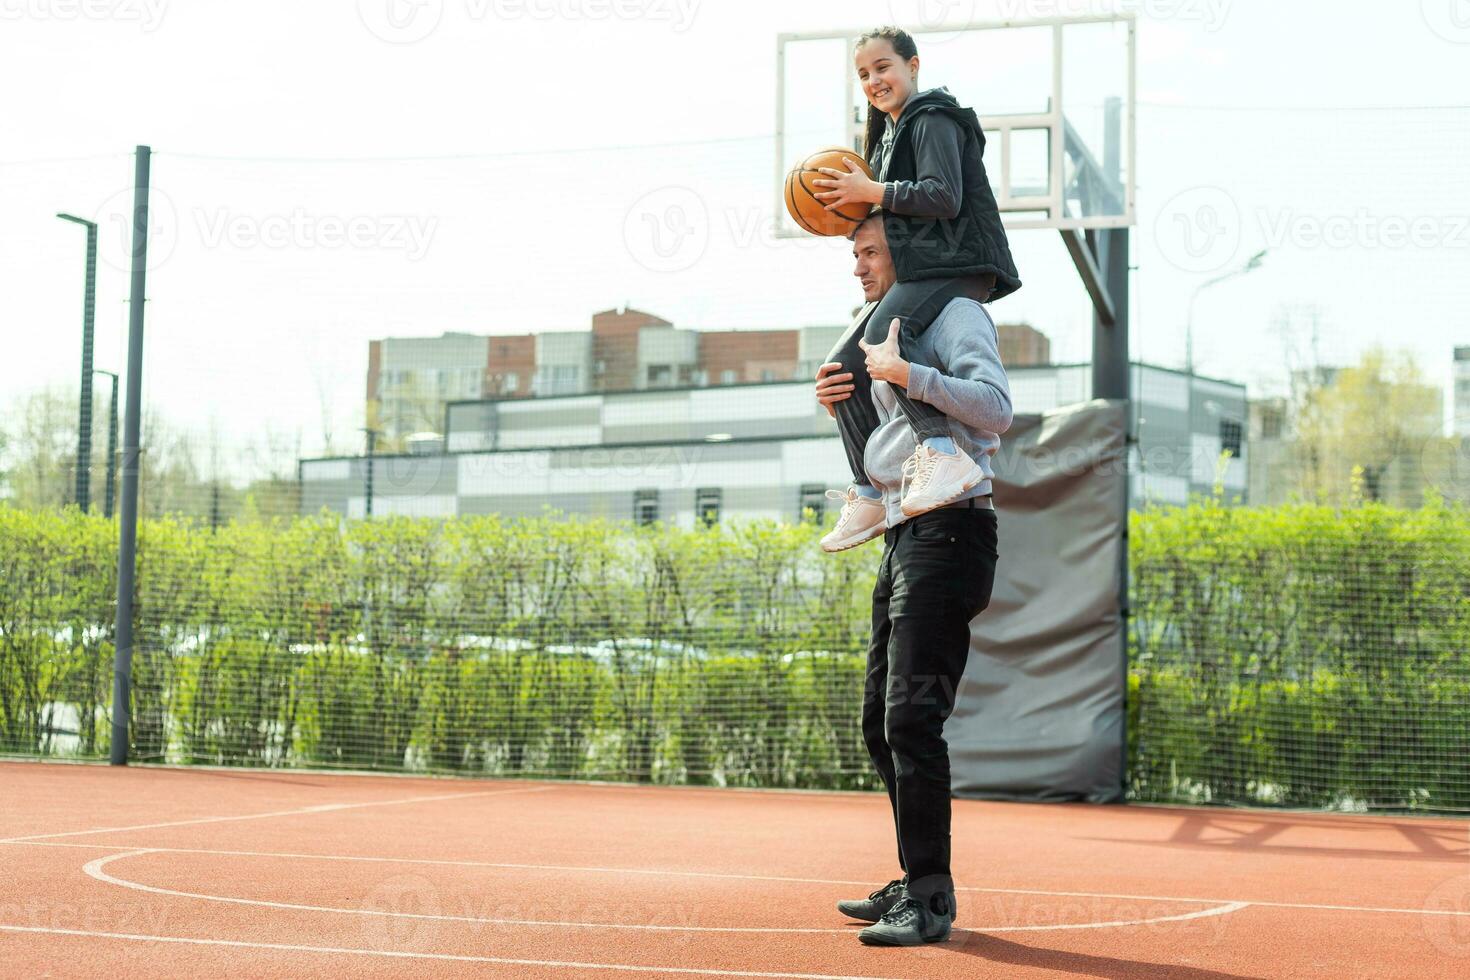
<point x="935" y="576"/>
<point x="917" y="304"/>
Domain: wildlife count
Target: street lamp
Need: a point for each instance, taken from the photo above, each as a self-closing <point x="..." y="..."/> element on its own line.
<point x="89" y="308"/>
<point x="372" y="445"/>
<point x="1251" y="265"/>
<point x="111" y="446"/>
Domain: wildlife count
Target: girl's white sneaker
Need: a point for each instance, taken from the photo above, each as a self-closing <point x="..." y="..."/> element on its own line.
<point x="932" y="479"/>
<point x="863" y="519"/>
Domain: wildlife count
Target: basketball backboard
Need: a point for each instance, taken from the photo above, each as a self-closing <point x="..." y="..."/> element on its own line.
<point x="1055" y="97"/>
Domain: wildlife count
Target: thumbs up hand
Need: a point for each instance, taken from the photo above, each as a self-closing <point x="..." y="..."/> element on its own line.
<point x="883" y="360"/>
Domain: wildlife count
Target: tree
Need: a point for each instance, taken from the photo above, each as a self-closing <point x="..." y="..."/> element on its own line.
<point x="43" y="449"/>
<point x="408" y="406"/>
<point x="5" y="488"/>
<point x="1378" y="418"/>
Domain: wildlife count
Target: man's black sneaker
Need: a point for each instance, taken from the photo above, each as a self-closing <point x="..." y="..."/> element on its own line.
<point x="872" y="908"/>
<point x="911" y="923"/>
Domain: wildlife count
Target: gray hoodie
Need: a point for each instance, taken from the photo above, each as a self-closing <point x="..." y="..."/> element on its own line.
<point x="955" y="366"/>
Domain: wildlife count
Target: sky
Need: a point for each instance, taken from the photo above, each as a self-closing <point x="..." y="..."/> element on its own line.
<point x="329" y="173"/>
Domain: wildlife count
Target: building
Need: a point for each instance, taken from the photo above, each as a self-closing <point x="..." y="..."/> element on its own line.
<point x="756" y="449"/>
<point x="1461" y="424"/>
<point x="1022" y="345"/>
<point x="1271" y="476"/>
<point x="411" y="380"/>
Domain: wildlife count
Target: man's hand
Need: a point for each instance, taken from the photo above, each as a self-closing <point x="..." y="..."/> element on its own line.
<point x="831" y="388"/>
<point x="884" y="364"/>
<point x="853" y="187"/>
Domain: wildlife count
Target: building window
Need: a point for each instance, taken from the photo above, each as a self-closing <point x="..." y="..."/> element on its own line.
<point x="512" y="382"/>
<point x="645" y="506"/>
<point x="1230" y="435"/>
<point x="707" y="506"/>
<point x="557" y="379"/>
<point x="812" y="504"/>
<point x="660" y="375"/>
<point x="768" y="375"/>
<point x="727" y="376"/>
<point x="1272" y="423"/>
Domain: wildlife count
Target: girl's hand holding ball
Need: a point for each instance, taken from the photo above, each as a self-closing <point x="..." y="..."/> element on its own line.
<point x="851" y="187"/>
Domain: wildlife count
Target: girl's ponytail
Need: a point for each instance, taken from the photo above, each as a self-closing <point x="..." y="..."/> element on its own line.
<point x="905" y="48"/>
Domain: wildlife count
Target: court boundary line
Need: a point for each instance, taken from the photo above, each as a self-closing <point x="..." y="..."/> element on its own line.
<point x="445" y="776"/>
<point x="1386" y="817"/>
<point x="452" y="957"/>
<point x="300" y="811"/>
<point x="93" y="869"/>
<point x="744" y="877"/>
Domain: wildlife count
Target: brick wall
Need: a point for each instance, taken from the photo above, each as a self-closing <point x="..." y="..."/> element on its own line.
<point x="748" y="353"/>
<point x="510" y="355"/>
<point x="1022" y="344"/>
<point x="615" y="347"/>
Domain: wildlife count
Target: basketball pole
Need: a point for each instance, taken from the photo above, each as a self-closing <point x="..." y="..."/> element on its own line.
<point x="122" y="659"/>
<point x="1101" y="258"/>
<point x="1112" y="377"/>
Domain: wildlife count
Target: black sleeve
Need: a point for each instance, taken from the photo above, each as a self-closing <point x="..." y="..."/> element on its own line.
<point x="937" y="141"/>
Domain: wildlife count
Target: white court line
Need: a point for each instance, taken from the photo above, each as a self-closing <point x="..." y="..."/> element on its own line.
<point x="94" y="870"/>
<point x="584" y="869"/>
<point x="452" y="957"/>
<point x="321" y="808"/>
<point x="1225" y="909"/>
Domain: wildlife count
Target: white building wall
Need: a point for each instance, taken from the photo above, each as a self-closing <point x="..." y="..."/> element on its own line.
<point x="390" y="505"/>
<point x="1461" y="392"/>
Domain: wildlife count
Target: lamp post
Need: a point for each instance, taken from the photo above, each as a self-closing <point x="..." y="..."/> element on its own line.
<point x="1251" y="265"/>
<point x="111" y="446"/>
<point x="127" y="518"/>
<point x="372" y="445"/>
<point x="89" y="309"/>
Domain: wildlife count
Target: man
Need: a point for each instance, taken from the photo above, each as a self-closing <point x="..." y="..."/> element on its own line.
<point x="934" y="577"/>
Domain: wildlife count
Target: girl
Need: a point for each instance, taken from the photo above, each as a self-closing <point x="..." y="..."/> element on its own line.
<point x="945" y="236"/>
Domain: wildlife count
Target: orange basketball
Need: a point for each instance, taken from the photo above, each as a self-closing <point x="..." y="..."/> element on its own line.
<point x="811" y="213"/>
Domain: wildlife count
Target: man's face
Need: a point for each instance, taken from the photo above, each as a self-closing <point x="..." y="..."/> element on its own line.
<point x="874" y="264"/>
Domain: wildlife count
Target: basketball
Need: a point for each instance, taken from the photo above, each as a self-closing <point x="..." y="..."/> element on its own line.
<point x="808" y="211"/>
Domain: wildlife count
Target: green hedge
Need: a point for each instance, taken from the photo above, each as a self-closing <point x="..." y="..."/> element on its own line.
<point x="1303" y="656"/>
<point x="534" y="646"/>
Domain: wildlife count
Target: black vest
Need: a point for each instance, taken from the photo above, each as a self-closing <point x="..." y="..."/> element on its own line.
<point x="974" y="241"/>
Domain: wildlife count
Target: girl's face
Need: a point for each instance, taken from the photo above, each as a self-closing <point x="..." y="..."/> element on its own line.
<point x="887" y="79"/>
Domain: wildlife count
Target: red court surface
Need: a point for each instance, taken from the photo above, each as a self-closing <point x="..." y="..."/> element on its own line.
<point x="149" y="872"/>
